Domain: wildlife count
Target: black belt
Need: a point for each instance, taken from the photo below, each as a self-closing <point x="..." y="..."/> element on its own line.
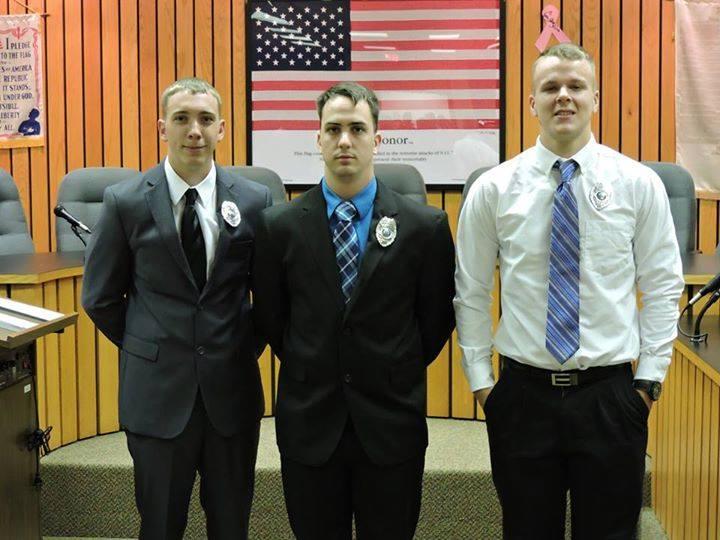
<point x="573" y="377"/>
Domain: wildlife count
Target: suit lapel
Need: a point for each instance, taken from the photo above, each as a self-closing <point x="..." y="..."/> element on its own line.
<point x="223" y="187"/>
<point x="383" y="206"/>
<point x="158" y="198"/>
<point x="316" y="233"/>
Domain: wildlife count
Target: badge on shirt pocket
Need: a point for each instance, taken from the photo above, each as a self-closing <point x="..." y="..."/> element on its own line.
<point x="600" y="195"/>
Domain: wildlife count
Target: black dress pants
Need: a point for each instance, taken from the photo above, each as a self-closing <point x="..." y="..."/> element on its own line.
<point x="545" y="440"/>
<point x="322" y="500"/>
<point x="165" y="474"/>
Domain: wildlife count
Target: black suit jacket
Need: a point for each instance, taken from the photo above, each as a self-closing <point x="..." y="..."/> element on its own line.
<point x="174" y="339"/>
<point x="366" y="360"/>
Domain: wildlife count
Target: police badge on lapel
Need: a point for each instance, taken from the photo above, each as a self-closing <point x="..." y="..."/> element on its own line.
<point x="386" y="231"/>
<point x="600" y="196"/>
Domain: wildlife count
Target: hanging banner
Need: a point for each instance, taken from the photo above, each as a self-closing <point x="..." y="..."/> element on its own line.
<point x="21" y="90"/>
<point x="434" y="65"/>
<point x="697" y="91"/>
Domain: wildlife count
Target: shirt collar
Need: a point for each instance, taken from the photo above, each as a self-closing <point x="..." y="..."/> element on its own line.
<point x="178" y="186"/>
<point x="363" y="200"/>
<point x="545" y="159"/>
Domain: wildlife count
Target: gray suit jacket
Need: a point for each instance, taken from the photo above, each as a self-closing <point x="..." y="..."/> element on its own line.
<point x="175" y="339"/>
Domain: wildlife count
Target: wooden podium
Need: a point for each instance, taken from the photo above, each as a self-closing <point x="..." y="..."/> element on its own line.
<point x="20" y="326"/>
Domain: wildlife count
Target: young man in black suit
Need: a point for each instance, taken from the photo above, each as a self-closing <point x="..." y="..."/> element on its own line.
<point x="354" y="287"/>
<point x="166" y="279"/>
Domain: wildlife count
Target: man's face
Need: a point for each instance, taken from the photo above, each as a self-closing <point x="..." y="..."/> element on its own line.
<point x="347" y="140"/>
<point x="564" y="99"/>
<point x="192" y="127"/>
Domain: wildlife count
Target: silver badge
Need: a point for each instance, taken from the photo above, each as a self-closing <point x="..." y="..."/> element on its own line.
<point x="386" y="231"/>
<point x="600" y="196"/>
<point x="230" y="213"/>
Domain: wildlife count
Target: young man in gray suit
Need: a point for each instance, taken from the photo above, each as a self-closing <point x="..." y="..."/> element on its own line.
<point x="166" y="279"/>
<point x="354" y="287"/>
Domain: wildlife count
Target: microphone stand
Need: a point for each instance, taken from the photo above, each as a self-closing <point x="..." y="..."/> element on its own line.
<point x="696" y="336"/>
<point x="76" y="231"/>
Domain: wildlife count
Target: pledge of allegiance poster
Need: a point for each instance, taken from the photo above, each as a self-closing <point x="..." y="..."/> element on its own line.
<point x="21" y="91"/>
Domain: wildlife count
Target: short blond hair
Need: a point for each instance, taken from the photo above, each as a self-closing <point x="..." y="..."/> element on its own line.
<point x="192" y="85"/>
<point x="567" y="51"/>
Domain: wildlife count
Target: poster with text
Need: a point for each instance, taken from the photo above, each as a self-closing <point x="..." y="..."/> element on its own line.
<point x="434" y="65"/>
<point x="21" y="89"/>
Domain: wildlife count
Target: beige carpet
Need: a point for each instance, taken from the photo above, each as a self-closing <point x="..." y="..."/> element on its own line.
<point x="88" y="491"/>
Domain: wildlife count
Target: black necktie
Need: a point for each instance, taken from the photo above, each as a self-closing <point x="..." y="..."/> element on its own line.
<point x="192" y="239"/>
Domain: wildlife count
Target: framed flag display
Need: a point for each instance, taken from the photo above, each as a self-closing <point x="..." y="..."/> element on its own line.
<point x="434" y="65"/>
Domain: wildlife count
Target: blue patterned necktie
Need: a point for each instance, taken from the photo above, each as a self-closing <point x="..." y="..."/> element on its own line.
<point x="347" y="246"/>
<point x="562" y="336"/>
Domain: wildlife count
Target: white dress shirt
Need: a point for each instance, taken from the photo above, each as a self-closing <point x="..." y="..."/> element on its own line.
<point x="625" y="247"/>
<point x="205" y="207"/>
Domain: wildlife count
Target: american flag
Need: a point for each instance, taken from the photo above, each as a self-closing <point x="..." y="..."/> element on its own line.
<point x="433" y="64"/>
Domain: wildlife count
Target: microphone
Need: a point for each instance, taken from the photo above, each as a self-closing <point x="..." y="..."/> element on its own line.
<point x="60" y="211"/>
<point x="711" y="286"/>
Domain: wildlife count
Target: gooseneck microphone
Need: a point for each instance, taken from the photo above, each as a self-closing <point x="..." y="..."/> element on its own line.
<point x="60" y="211"/>
<point x="711" y="286"/>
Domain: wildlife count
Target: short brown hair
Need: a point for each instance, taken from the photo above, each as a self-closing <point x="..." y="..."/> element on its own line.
<point x="356" y="93"/>
<point x="567" y="51"/>
<point x="192" y="85"/>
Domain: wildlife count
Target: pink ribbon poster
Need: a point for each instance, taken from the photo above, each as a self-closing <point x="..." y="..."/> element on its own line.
<point x="21" y="90"/>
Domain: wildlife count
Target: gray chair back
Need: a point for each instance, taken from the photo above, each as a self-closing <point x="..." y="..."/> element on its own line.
<point x="263" y="176"/>
<point x="470" y="181"/>
<point x="681" y="192"/>
<point x="403" y="179"/>
<point x="81" y="193"/>
<point x="14" y="234"/>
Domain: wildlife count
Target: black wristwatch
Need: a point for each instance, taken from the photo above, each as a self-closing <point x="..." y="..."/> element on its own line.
<point x="652" y="388"/>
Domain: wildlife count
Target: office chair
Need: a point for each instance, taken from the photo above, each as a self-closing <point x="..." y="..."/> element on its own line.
<point x="403" y="179"/>
<point x="14" y="233"/>
<point x="263" y="176"/>
<point x="81" y="193"/>
<point x="680" y="189"/>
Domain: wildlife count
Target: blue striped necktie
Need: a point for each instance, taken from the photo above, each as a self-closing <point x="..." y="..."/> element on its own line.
<point x="347" y="246"/>
<point x="562" y="336"/>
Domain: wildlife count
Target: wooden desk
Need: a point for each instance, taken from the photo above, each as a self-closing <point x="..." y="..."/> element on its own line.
<point x="77" y="371"/>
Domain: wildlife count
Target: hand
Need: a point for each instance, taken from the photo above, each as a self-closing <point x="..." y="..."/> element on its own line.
<point x="482" y="395"/>
<point x="646" y="398"/>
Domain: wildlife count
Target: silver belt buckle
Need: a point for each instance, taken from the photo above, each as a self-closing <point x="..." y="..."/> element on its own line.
<point x="562" y="379"/>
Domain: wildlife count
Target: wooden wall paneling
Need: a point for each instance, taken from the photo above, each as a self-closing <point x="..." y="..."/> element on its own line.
<point x="630" y="80"/>
<point x="667" y="82"/>
<point x="674" y="465"/>
<point x="265" y="365"/>
<point x="462" y="403"/>
<point x="129" y="81"/>
<point x="704" y="478"/>
<point x="40" y="205"/>
<point x="708" y="219"/>
<point x="53" y="375"/>
<point x="438" y="373"/>
<point x="529" y="33"/>
<point x="74" y="94"/>
<point x="204" y="40"/>
<point x="650" y="82"/>
<point x="697" y="469"/>
<point x="185" y="38"/>
<point x="107" y="381"/>
<point x="111" y="88"/>
<point x="591" y="41"/>
<point x="239" y="98"/>
<point x="713" y="501"/>
<point x="693" y="445"/>
<point x="570" y="19"/>
<point x="55" y="141"/>
<point x="222" y="75"/>
<point x="165" y="43"/>
<point x="86" y="369"/>
<point x="610" y="82"/>
<point x="515" y="102"/>
<point x="684" y="406"/>
<point x="68" y="363"/>
<point x="148" y="69"/>
<point x="92" y="83"/>
<point x="5" y="153"/>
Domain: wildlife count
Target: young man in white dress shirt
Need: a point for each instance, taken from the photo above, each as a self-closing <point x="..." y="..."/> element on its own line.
<point x="579" y="229"/>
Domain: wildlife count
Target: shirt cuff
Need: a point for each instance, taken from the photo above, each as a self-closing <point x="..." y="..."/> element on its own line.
<point x="478" y="370"/>
<point x="652" y="368"/>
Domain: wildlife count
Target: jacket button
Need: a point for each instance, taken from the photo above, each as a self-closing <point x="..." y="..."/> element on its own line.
<point x="348" y="378"/>
<point x="200" y="351"/>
